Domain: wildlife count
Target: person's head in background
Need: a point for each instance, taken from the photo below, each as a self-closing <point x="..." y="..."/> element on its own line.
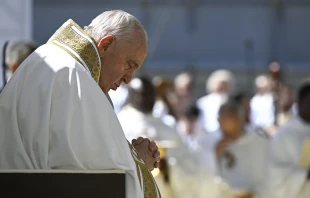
<point x="141" y="94"/>
<point x="263" y="84"/>
<point x="220" y="81"/>
<point x="231" y="120"/>
<point x="122" y="45"/>
<point x="162" y="86"/>
<point x="286" y="99"/>
<point x="243" y="99"/>
<point x="303" y="100"/>
<point x="183" y="85"/>
<point x="17" y="53"/>
<point x="275" y="73"/>
<point x="190" y="119"/>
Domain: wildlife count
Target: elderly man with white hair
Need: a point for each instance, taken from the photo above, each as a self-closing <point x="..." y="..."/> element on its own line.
<point x="262" y="104"/>
<point x="219" y="85"/>
<point x="55" y="112"/>
<point x="17" y="53"/>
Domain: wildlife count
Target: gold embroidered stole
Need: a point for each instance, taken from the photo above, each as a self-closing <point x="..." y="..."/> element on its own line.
<point x="145" y="176"/>
<point x="75" y="41"/>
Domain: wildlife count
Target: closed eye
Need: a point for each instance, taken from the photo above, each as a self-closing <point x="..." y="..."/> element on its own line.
<point x="129" y="66"/>
<point x="132" y="65"/>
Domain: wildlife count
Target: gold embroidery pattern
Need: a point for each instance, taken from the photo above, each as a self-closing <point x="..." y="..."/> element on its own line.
<point x="68" y="36"/>
<point x="150" y="187"/>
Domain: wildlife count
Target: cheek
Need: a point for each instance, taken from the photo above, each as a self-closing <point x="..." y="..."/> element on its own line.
<point x="228" y="124"/>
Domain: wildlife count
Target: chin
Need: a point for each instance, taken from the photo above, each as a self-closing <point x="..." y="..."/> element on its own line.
<point x="105" y="90"/>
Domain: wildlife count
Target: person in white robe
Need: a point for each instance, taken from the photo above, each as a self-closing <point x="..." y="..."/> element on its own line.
<point x="177" y="177"/>
<point x="181" y="97"/>
<point x="285" y="105"/>
<point x="219" y="85"/>
<point x="136" y="119"/>
<point x="262" y="105"/>
<point x="163" y="108"/>
<point x="289" y="158"/>
<point x="237" y="150"/>
<point x="55" y="112"/>
<point x="141" y="100"/>
<point x="187" y="127"/>
<point x="15" y="53"/>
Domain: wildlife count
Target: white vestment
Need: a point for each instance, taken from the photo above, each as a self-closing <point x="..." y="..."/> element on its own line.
<point x="210" y="184"/>
<point x="53" y="114"/>
<point x="286" y="171"/>
<point x="249" y="158"/>
<point x="248" y="168"/>
<point x="209" y="106"/>
<point x="136" y="124"/>
<point x="189" y="139"/>
<point x="262" y="110"/>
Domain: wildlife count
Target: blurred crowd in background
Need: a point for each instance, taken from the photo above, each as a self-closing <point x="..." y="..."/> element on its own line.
<point x="213" y="144"/>
<point x="206" y="127"/>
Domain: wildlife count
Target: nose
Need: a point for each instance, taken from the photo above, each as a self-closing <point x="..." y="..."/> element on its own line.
<point x="127" y="78"/>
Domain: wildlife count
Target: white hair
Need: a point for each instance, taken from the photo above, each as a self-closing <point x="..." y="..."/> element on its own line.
<point x="182" y="79"/>
<point x="219" y="76"/>
<point x="262" y="81"/>
<point x="118" y="23"/>
<point x="18" y="51"/>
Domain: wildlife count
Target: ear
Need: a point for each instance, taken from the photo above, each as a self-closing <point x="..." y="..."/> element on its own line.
<point x="14" y="67"/>
<point x="105" y="42"/>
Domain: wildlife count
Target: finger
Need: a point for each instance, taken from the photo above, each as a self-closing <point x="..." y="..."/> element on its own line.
<point x="134" y="142"/>
<point x="156" y="165"/>
<point x="153" y="147"/>
<point x="156" y="154"/>
<point x="139" y="140"/>
<point x="147" y="139"/>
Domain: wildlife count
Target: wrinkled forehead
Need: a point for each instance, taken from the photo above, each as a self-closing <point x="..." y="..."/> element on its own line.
<point x="137" y="52"/>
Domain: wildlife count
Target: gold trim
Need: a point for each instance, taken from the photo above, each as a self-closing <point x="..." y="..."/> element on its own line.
<point x="68" y="36"/>
<point x="149" y="185"/>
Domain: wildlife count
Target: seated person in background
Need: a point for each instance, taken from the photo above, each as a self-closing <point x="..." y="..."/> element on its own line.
<point x="241" y="150"/>
<point x="187" y="127"/>
<point x="219" y="85"/>
<point x="17" y="53"/>
<point x="285" y="105"/>
<point x="136" y="117"/>
<point x="163" y="107"/>
<point x="177" y="166"/>
<point x="181" y="98"/>
<point x="262" y="104"/>
<point x="243" y="99"/>
<point x="289" y="158"/>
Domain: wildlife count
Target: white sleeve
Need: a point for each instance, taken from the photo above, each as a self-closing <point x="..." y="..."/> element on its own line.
<point x="284" y="178"/>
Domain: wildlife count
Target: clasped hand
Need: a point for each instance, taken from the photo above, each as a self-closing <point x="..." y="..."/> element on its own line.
<point x="148" y="151"/>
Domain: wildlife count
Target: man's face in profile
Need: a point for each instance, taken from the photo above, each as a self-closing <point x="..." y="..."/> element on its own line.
<point x="119" y="60"/>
